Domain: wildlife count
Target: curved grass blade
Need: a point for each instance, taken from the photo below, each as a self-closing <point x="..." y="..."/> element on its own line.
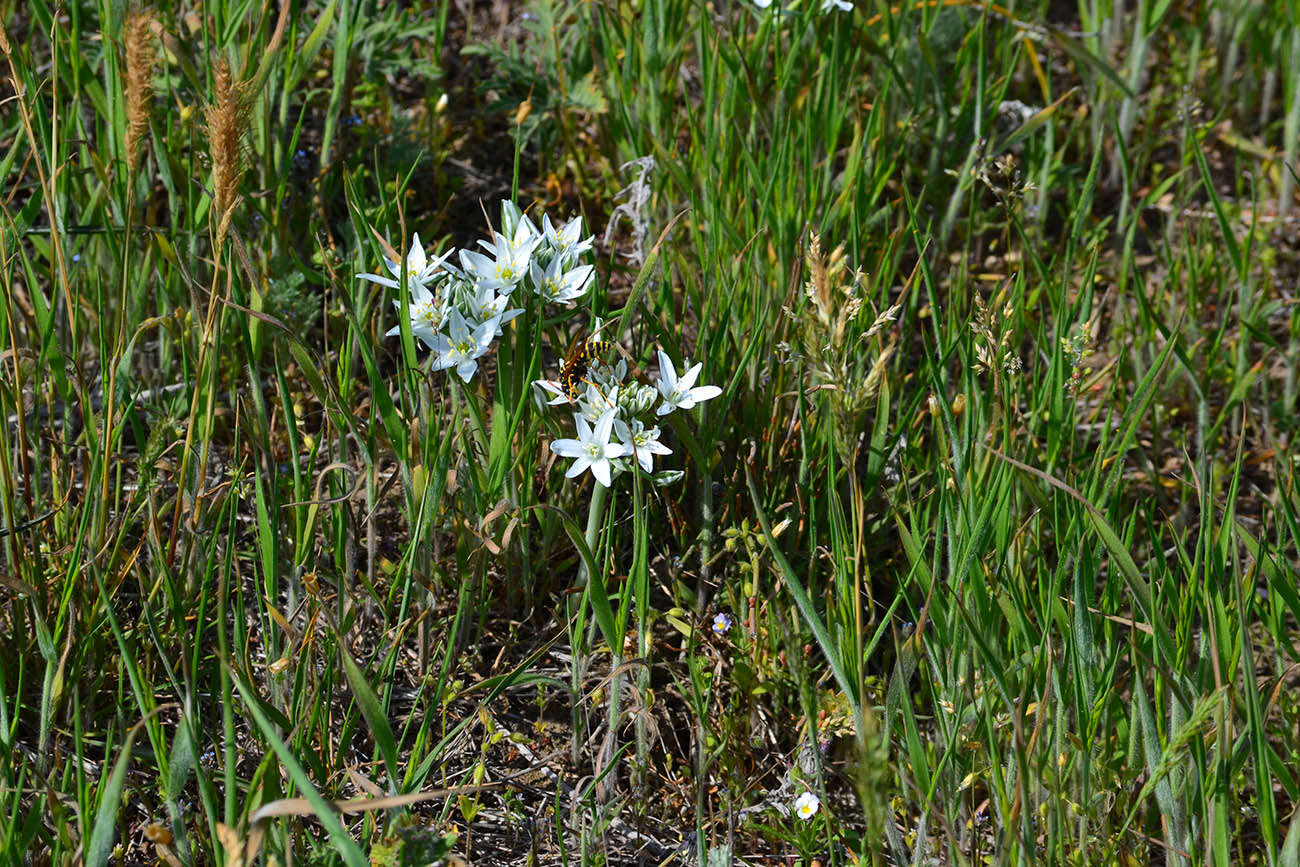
<point x="376" y="717"/>
<point x="805" y="603"/>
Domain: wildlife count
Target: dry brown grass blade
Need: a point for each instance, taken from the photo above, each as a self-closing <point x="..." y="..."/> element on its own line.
<point x="245" y="853"/>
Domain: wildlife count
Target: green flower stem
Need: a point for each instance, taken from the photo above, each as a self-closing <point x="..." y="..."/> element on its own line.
<point x="639" y="584"/>
<point x="595" y="518"/>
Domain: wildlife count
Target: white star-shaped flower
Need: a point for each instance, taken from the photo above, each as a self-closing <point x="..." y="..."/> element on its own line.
<point x="566" y="241"/>
<point x="502" y="271"/>
<point x="641" y="442"/>
<point x="681" y="393"/>
<point x="592" y="449"/>
<point x="465" y="347"/>
<point x="489" y="305"/>
<point x="420" y="269"/>
<point x="427" y="315"/>
<point x="556" y="285"/>
<point x="593" y="402"/>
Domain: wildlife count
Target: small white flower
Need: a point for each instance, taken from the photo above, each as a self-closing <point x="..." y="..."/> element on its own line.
<point x="592" y="449"/>
<point x="489" y="305"/>
<point x="805" y="806"/>
<point x="420" y="270"/>
<point x="566" y="242"/>
<point x="593" y="402"/>
<point x="681" y="393"/>
<point x="721" y="623"/>
<point x="558" y="286"/>
<point x="762" y="4"/>
<point x="641" y="442"/>
<point x="508" y="265"/>
<point x="843" y="6"/>
<point x="464" y="347"/>
<point x="427" y="315"/>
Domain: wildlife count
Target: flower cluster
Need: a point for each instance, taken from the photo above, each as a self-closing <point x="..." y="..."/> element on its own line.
<point x="613" y="417"/>
<point x="458" y="311"/>
<point x="457" y="303"/>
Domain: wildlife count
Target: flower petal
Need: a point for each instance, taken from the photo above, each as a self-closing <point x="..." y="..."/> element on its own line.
<point x="667" y="373"/>
<point x="567" y="448"/>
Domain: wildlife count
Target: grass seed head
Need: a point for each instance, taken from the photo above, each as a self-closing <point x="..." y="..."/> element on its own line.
<point x="225" y="118"/>
<point x="841" y="334"/>
<point x="141" y="59"/>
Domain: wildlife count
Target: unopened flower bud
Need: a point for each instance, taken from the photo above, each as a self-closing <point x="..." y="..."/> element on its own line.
<point x="638" y="398"/>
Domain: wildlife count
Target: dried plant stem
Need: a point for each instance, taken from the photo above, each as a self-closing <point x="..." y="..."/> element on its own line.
<point x="225" y="121"/>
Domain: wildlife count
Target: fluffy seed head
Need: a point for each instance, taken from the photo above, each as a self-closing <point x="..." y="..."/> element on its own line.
<point x="141" y="58"/>
<point x="225" y="128"/>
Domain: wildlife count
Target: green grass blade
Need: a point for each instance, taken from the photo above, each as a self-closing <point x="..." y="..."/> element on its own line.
<point x="325" y="812"/>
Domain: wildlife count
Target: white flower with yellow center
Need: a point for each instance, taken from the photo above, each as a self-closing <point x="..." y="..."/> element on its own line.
<point x="681" y="393"/>
<point x="566" y="241"/>
<point x="463" y="349"/>
<point x="507" y="265"/>
<point x="428" y="316"/>
<point x="489" y="305"/>
<point x="805" y="806"/>
<point x="641" y="442"/>
<point x="555" y="285"/>
<point x="592" y="450"/>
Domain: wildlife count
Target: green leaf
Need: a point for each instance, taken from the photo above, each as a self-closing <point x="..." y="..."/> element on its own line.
<point x="1029" y="127"/>
<point x="376" y="717"/>
<point x="804" y="602"/>
<point x="1290" y="855"/>
<point x="1225" y="228"/>
<point x="100" y="848"/>
<point x="1082" y="56"/>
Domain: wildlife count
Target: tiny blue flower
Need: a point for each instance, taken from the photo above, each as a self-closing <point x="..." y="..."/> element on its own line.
<point x="721" y="623"/>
